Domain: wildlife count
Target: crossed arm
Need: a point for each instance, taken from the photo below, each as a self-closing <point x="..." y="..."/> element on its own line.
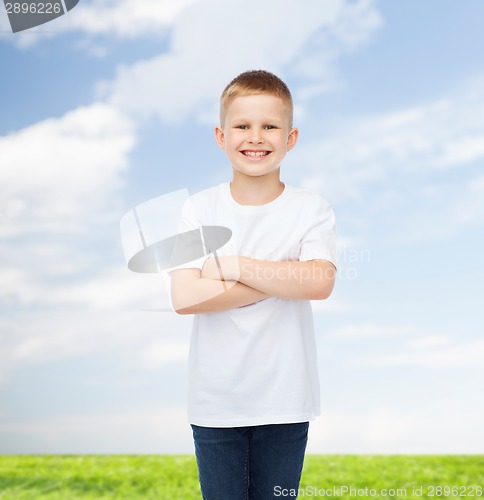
<point x="242" y="281"/>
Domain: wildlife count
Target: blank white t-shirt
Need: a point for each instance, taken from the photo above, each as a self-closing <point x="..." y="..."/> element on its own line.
<point x="257" y="364"/>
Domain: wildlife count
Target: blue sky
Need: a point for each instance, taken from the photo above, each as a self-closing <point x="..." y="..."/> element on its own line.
<point x="115" y="103"/>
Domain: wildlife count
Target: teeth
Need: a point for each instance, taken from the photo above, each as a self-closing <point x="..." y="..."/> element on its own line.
<point x="255" y="153"/>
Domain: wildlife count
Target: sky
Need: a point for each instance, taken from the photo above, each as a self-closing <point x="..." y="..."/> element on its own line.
<point x="115" y="103"/>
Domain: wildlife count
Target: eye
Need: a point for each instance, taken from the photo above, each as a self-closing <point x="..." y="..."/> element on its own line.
<point x="270" y="127"/>
<point x="242" y="127"/>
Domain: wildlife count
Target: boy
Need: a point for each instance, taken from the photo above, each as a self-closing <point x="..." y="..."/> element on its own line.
<point x="253" y="381"/>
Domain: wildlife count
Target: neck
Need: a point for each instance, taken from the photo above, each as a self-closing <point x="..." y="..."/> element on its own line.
<point x="259" y="190"/>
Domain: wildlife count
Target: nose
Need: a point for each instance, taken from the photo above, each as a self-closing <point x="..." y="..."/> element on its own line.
<point x="255" y="136"/>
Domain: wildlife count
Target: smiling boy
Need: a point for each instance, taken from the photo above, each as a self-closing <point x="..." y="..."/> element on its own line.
<point x="253" y="380"/>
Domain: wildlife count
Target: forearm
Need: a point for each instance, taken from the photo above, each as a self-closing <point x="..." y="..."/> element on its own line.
<point x="211" y="295"/>
<point x="289" y="280"/>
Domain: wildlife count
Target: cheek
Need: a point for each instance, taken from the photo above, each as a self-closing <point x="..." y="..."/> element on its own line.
<point x="234" y="142"/>
<point x="283" y="145"/>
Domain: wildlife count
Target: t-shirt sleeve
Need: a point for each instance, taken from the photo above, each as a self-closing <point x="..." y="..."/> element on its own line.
<point x="320" y="239"/>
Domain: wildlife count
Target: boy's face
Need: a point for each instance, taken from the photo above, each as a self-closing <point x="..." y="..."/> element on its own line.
<point x="256" y="134"/>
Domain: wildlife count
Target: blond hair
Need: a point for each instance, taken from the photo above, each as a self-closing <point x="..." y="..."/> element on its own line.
<point x="255" y="82"/>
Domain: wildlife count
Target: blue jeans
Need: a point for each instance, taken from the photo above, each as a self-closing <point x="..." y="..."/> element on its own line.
<point x="250" y="463"/>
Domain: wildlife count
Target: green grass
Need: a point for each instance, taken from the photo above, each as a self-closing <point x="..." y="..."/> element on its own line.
<point x="175" y="477"/>
<point x="406" y="472"/>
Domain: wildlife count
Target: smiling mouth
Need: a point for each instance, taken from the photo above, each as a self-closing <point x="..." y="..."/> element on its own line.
<point x="255" y="154"/>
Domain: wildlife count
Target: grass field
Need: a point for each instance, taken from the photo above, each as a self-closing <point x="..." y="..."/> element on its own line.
<point x="175" y="477"/>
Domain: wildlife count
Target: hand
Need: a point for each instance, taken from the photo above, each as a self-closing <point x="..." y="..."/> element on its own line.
<point x="229" y="268"/>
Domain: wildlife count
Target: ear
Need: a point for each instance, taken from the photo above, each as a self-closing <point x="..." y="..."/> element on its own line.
<point x="220" y="136"/>
<point x="292" y="138"/>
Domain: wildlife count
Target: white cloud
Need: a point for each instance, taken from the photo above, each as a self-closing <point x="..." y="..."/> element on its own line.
<point x="367" y="331"/>
<point x="58" y="172"/>
<point x="440" y="354"/>
<point x="54" y="279"/>
<point x="332" y="305"/>
<point x="125" y="18"/>
<point x="164" y="430"/>
<point x="384" y="430"/>
<point x="368" y="150"/>
<point x="429" y="341"/>
<point x="208" y="49"/>
<point x="410" y="346"/>
<point x="153" y="340"/>
<point x="386" y="165"/>
<point x="161" y="353"/>
<point x="351" y="26"/>
<point x="477" y="185"/>
<point x="59" y="184"/>
<point x="151" y="430"/>
<point x="112" y="289"/>
<point x="109" y="18"/>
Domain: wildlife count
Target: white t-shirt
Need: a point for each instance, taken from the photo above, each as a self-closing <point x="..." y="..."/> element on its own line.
<point x="257" y="364"/>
